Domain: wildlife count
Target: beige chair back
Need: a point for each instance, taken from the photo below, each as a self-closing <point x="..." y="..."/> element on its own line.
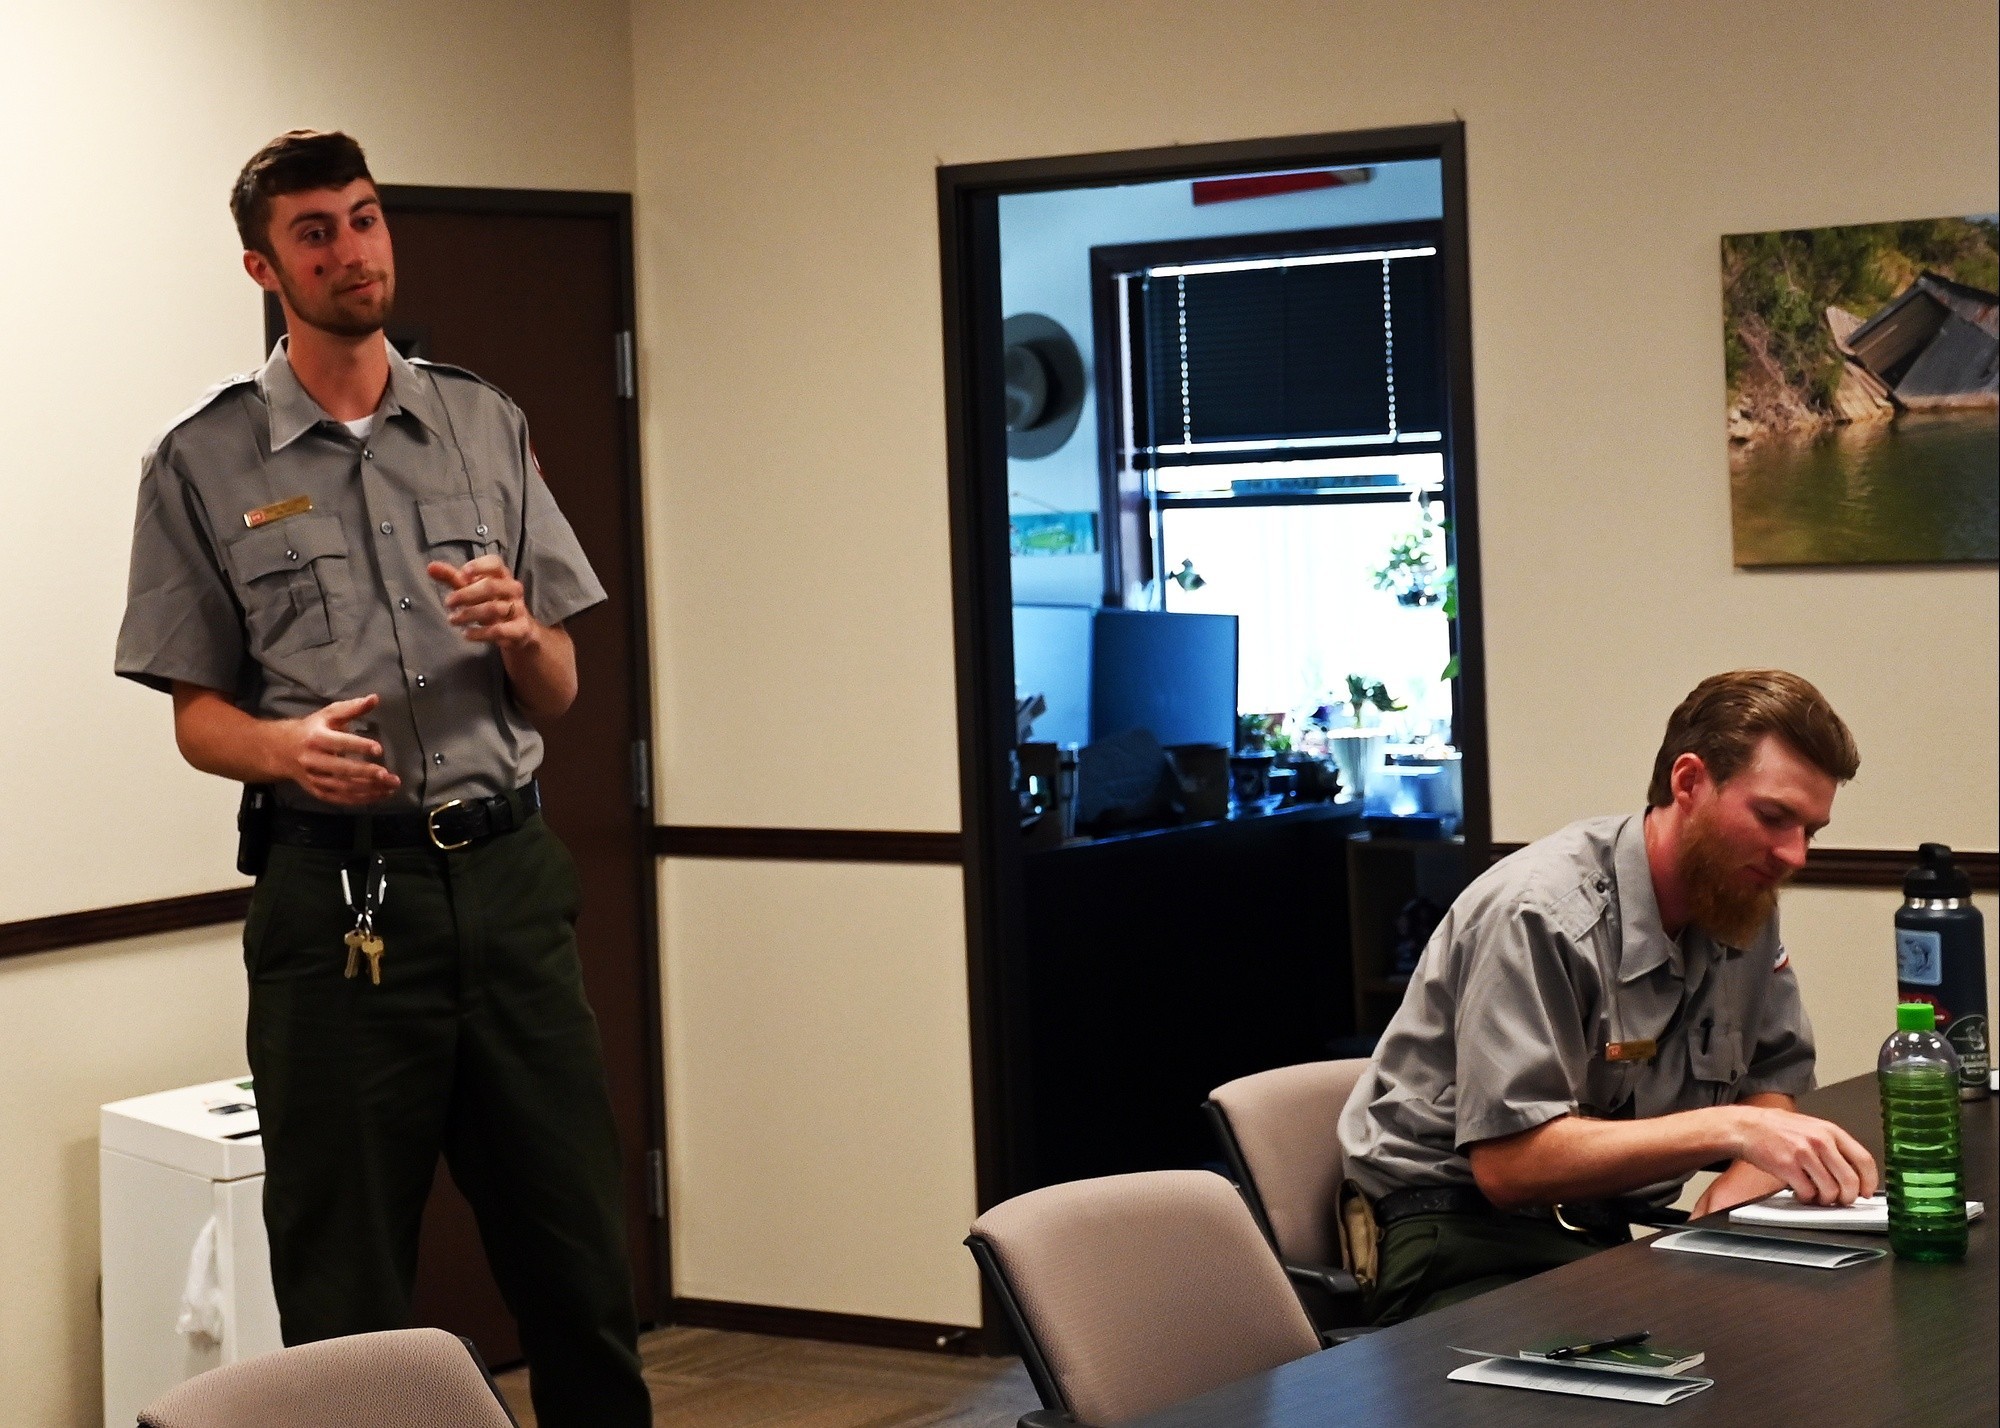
<point x="409" y="1378"/>
<point x="1286" y="1124"/>
<point x="1143" y="1290"/>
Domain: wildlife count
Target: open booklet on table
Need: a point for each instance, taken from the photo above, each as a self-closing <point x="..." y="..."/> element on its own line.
<point x="1589" y="1376"/>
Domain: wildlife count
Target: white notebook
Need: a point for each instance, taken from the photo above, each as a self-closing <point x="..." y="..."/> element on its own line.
<point x="1868" y="1214"/>
<point x="1557" y="1377"/>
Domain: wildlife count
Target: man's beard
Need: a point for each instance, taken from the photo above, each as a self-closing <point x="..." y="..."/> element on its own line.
<point x="330" y="315"/>
<point x="1721" y="900"/>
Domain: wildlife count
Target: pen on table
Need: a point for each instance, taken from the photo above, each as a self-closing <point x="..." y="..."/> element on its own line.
<point x="1570" y="1351"/>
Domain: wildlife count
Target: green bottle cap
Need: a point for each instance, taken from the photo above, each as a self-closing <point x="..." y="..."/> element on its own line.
<point x="1916" y="1016"/>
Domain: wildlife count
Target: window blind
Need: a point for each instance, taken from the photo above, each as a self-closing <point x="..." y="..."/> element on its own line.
<point x="1289" y="354"/>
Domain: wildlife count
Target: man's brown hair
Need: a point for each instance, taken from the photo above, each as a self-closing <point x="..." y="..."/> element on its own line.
<point x="1726" y="715"/>
<point x="293" y="162"/>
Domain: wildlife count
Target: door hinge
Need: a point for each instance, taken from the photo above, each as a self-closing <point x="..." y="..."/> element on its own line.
<point x="642" y="774"/>
<point x="656" y="1183"/>
<point x="627" y="376"/>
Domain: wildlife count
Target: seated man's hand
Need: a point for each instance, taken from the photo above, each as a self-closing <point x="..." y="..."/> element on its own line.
<point x="1821" y="1163"/>
<point x="1741" y="1183"/>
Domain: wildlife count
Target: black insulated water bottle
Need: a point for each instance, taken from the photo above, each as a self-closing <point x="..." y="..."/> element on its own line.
<point x="1941" y="959"/>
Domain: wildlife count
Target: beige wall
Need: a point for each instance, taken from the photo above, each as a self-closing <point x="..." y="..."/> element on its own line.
<point x="794" y="425"/>
<point x="122" y="123"/>
<point x="822" y="1151"/>
<point x="82" y="1028"/>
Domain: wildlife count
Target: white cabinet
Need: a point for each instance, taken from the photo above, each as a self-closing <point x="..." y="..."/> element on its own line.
<point x="169" y="1165"/>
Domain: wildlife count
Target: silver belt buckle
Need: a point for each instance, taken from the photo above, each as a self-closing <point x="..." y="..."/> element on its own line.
<point x="431" y="827"/>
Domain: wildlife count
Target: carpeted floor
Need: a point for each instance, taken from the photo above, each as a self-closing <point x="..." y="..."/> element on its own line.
<point x="703" y="1378"/>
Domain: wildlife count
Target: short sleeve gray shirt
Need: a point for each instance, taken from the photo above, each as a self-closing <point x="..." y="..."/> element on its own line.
<point x="289" y="612"/>
<point x="1549" y="959"/>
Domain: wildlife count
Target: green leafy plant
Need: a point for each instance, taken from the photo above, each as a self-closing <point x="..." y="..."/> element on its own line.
<point x="1415" y="570"/>
<point x="1363" y="691"/>
<point x="1450" y="612"/>
<point x="1262" y="733"/>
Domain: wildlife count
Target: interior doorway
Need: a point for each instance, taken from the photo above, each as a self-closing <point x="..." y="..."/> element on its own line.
<point x="1138" y="500"/>
<point x="533" y="291"/>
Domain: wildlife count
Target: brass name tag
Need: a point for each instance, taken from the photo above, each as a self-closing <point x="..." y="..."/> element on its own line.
<point x="1644" y="1049"/>
<point x="264" y="515"/>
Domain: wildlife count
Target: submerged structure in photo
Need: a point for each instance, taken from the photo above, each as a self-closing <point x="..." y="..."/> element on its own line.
<point x="1935" y="348"/>
<point x="1864" y="393"/>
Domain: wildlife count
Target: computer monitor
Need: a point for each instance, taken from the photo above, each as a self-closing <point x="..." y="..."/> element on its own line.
<point x="1052" y="659"/>
<point x="1173" y="675"/>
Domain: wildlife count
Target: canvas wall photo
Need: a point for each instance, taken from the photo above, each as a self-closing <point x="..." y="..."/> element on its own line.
<point x="1864" y="393"/>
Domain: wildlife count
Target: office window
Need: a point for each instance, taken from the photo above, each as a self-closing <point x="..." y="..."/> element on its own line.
<point x="1279" y="456"/>
<point x="1300" y="578"/>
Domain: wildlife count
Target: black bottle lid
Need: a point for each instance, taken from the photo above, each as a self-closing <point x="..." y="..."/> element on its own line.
<point x="1935" y="875"/>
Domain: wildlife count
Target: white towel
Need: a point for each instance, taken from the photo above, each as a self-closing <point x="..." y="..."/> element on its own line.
<point x="201" y="1299"/>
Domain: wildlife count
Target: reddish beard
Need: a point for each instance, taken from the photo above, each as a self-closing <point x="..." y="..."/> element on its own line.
<point x="338" y="314"/>
<point x="1724" y="900"/>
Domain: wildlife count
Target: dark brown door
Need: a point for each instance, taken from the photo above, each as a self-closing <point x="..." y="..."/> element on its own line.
<point x="532" y="292"/>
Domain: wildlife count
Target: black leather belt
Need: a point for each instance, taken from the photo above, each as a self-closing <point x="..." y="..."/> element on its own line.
<point x="1611" y="1217"/>
<point x="1431" y="1200"/>
<point x="448" y="827"/>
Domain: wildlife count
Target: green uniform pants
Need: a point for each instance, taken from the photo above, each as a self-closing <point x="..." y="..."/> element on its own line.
<point x="478" y="1045"/>
<point x="1430" y="1261"/>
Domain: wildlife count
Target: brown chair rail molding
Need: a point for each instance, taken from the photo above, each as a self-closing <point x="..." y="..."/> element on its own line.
<point x="1825" y="867"/>
<point x="813" y="845"/>
<point x="113" y="924"/>
<point x="1862" y="867"/>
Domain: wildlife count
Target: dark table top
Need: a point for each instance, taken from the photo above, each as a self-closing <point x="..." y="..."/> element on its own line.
<point x="1879" y="1344"/>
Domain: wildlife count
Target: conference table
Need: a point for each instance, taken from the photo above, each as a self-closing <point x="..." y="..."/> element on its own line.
<point x="1881" y="1343"/>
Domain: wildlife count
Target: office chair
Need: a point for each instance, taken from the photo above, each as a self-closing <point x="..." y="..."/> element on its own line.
<point x="1132" y="1292"/>
<point x="408" y="1378"/>
<point x="1279" y="1134"/>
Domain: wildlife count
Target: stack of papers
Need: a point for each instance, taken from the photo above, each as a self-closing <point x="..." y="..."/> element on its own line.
<point x="1774" y="1249"/>
<point x="1870" y="1214"/>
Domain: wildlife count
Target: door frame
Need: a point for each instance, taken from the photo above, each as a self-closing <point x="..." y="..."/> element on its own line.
<point x="568" y="203"/>
<point x="976" y="447"/>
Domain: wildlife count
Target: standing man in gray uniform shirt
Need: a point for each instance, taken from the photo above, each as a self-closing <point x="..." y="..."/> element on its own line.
<point x="351" y="578"/>
<point x="1606" y="1012"/>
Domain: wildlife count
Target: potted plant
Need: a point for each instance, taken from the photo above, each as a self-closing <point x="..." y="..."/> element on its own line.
<point x="1259" y="740"/>
<point x="1415" y="572"/>
<point x="1358" y="749"/>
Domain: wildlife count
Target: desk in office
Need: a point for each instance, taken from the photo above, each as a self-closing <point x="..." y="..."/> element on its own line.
<point x="1154" y="966"/>
<point x="1882" y="1343"/>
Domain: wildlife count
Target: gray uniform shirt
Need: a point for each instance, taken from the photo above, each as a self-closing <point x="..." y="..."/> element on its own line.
<point x="288" y="613"/>
<point x="1548" y="959"/>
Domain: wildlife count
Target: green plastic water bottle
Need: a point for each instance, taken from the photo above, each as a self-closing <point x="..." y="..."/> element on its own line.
<point x="1923" y="1173"/>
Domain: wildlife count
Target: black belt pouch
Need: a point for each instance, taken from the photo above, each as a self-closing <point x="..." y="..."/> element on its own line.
<point x="253" y="829"/>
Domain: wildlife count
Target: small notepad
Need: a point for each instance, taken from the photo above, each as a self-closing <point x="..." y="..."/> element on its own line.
<point x="1770" y="1248"/>
<point x="1558" y="1377"/>
<point x="1868" y="1215"/>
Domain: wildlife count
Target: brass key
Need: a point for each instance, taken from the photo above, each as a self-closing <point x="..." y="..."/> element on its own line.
<point x="371" y="947"/>
<point x="355" y="940"/>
